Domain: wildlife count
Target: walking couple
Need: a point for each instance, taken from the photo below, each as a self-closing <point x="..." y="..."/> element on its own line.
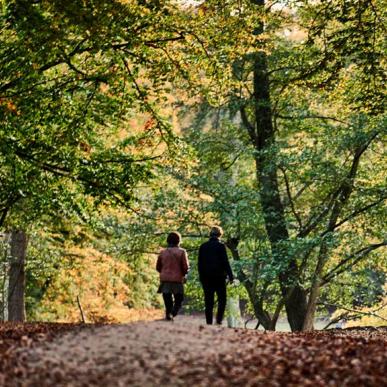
<point x="213" y="269"/>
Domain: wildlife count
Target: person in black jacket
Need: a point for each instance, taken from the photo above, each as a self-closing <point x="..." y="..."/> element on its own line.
<point x="214" y="267"/>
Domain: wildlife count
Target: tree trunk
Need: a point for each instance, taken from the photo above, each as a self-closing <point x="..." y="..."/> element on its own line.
<point x="16" y="287"/>
<point x="343" y="195"/>
<point x="263" y="316"/>
<point x="272" y="207"/>
<point x="315" y="289"/>
<point x="311" y="309"/>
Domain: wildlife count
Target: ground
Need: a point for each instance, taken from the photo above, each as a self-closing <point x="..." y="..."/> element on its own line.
<point x="188" y="353"/>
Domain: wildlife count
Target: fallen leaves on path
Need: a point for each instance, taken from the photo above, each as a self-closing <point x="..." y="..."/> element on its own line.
<point x="16" y="336"/>
<point x="331" y="358"/>
<point x="187" y="353"/>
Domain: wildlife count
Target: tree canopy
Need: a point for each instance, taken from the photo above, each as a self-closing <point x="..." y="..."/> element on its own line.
<point x="265" y="117"/>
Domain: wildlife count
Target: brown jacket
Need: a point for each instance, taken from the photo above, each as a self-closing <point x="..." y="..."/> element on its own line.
<point x="172" y="264"/>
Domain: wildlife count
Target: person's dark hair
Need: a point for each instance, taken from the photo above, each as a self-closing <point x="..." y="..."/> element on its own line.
<point x="216" y="232"/>
<point x="173" y="239"/>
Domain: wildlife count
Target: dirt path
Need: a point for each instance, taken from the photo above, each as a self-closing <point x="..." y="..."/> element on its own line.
<point x="186" y="353"/>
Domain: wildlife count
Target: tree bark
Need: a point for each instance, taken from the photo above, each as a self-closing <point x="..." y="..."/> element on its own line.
<point x="16" y="287"/>
<point x="315" y="290"/>
<point x="270" y="199"/>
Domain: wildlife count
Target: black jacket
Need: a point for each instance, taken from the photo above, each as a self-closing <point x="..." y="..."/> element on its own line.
<point x="213" y="261"/>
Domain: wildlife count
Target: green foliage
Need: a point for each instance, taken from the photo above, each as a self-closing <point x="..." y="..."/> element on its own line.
<point x="64" y="110"/>
<point x="329" y="125"/>
<point x="153" y="108"/>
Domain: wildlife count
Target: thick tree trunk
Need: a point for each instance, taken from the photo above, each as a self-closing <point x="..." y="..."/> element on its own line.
<point x="16" y="287"/>
<point x="272" y="207"/>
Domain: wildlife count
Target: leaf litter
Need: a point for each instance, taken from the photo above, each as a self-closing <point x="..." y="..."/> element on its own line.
<point x="186" y="353"/>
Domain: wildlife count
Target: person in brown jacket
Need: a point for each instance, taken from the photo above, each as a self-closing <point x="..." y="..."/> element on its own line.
<point x="173" y="265"/>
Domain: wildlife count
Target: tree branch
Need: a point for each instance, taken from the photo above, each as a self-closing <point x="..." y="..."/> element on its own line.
<point x="4" y="213"/>
<point x="315" y="220"/>
<point x="346" y="187"/>
<point x="225" y="167"/>
<point x="356" y="256"/>
<point x="247" y="124"/>
<point x="311" y="117"/>
<point x="339" y="198"/>
<point x="356" y="314"/>
<point x="290" y="199"/>
<point x="358" y="212"/>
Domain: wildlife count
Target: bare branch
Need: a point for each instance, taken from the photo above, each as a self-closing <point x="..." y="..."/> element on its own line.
<point x="356" y="257"/>
<point x="93" y="78"/>
<point x="315" y="220"/>
<point x="346" y="187"/>
<point x="359" y="211"/>
<point x="355" y="314"/>
<point x="165" y="40"/>
<point x="340" y="197"/>
<point x="311" y="117"/>
<point x="301" y="190"/>
<point x="225" y="167"/>
<point x="342" y="316"/>
<point x="290" y="198"/>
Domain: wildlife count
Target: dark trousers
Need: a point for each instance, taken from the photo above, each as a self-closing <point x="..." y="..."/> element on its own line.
<point x="172" y="303"/>
<point x="210" y="287"/>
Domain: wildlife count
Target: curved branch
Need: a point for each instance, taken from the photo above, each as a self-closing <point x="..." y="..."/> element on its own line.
<point x="290" y="198"/>
<point x="357" y="256"/>
<point x="359" y="211"/>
